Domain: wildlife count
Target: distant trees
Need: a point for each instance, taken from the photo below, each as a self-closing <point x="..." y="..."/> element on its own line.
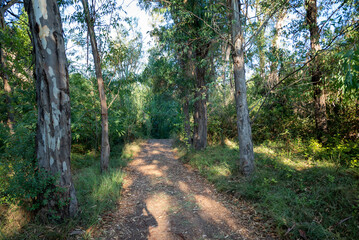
<point x="53" y="137"/>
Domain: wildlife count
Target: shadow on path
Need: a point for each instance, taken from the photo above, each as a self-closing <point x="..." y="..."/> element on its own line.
<point x="163" y="200"/>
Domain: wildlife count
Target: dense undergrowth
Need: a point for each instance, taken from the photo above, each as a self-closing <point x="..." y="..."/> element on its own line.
<point x="96" y="193"/>
<point x="301" y="187"/>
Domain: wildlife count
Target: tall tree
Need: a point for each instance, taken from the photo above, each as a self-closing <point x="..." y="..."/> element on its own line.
<point x="192" y="31"/>
<point x="320" y="113"/>
<point x="53" y="137"/>
<point x="4" y="6"/>
<point x="246" y="155"/>
<point x="187" y="67"/>
<point x="260" y="39"/>
<point x="105" y="143"/>
<point x="273" y="77"/>
<point x="200" y="105"/>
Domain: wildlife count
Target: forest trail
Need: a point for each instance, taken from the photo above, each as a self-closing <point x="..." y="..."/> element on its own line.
<point x="162" y="199"/>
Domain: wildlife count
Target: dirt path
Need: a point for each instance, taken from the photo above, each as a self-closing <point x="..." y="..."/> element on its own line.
<point x="164" y="200"/>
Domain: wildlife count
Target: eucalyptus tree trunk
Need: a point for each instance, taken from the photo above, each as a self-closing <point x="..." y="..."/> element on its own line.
<point x="53" y="136"/>
<point x="260" y="42"/>
<point x="187" y="124"/>
<point x="200" y="104"/>
<point x="186" y="63"/>
<point x="3" y="69"/>
<point x="226" y="51"/>
<point x="246" y="156"/>
<point x="320" y="113"/>
<point x="274" y="73"/>
<point x="105" y="144"/>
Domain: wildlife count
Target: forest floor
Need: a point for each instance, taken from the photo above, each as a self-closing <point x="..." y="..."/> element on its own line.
<point x="164" y="199"/>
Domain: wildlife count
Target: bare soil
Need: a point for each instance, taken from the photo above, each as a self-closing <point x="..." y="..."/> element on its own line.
<point x="162" y="199"/>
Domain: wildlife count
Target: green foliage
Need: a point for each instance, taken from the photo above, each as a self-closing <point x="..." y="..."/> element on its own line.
<point x="23" y="182"/>
<point x="341" y="152"/>
<point x="289" y="191"/>
<point x="222" y="121"/>
<point x="164" y="116"/>
<point x="97" y="192"/>
<point x="162" y="105"/>
<point x="348" y="79"/>
<point x="85" y="107"/>
<point x="16" y="161"/>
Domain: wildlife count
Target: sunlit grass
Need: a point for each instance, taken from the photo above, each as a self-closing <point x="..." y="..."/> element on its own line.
<point x="131" y="150"/>
<point x="293" y="189"/>
<point x="13" y="218"/>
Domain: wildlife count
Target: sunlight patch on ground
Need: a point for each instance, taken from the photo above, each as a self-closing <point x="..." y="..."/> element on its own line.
<point x="14" y="220"/>
<point x="155" y="152"/>
<point x="213" y="211"/>
<point x="291" y="160"/>
<point x="221" y="170"/>
<point x="183" y="187"/>
<point x="151" y="170"/>
<point x="157" y="207"/>
<point x="231" y="144"/>
<point x="132" y="149"/>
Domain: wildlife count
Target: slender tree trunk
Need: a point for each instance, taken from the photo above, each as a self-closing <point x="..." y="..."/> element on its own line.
<point x="53" y="137"/>
<point x="105" y="144"/>
<point x="186" y="63"/>
<point x="274" y="73"/>
<point x="3" y="68"/>
<point x="226" y="50"/>
<point x="200" y="104"/>
<point x="260" y="42"/>
<point x="187" y="124"/>
<point x="246" y="156"/>
<point x="320" y="112"/>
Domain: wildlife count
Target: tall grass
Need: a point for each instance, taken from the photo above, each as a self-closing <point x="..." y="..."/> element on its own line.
<point x="96" y="193"/>
<point x="300" y="193"/>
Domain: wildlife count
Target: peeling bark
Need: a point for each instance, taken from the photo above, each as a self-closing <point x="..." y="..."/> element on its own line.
<point x="53" y="137"/>
<point x="246" y="155"/>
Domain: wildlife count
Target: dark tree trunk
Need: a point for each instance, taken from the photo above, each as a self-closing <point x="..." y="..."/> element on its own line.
<point x="320" y="111"/>
<point x="187" y="124"/>
<point x="105" y="143"/>
<point x="3" y="69"/>
<point x="53" y="137"/>
<point x="200" y="104"/>
<point x="246" y="155"/>
<point x="186" y="63"/>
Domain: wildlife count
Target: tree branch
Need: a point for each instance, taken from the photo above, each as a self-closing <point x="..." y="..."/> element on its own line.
<point x="265" y="22"/>
<point x="356" y="25"/>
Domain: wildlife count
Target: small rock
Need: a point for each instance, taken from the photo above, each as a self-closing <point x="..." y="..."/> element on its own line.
<point x="76" y="232"/>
